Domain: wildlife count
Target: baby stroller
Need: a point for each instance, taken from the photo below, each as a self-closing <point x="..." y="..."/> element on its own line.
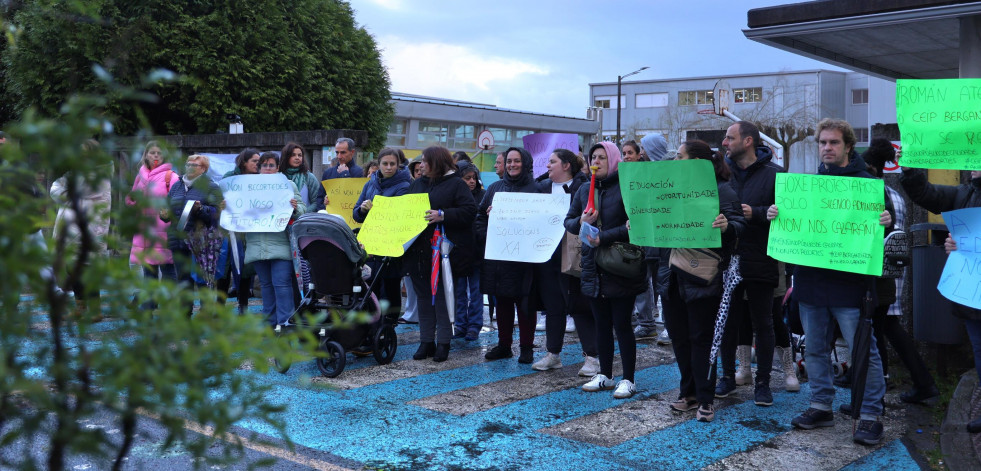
<point x="339" y="293"/>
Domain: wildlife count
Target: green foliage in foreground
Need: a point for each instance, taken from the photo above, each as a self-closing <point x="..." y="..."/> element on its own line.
<point x="282" y="65"/>
<point x="56" y="369"/>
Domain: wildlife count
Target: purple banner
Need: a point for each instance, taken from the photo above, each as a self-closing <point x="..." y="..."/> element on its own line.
<point x="542" y="145"/>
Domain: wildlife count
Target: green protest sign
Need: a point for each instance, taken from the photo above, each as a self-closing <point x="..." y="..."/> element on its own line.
<point x="940" y="123"/>
<point x="671" y="203"/>
<point x="828" y="222"/>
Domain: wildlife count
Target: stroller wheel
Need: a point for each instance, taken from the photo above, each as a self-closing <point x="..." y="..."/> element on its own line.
<point x="333" y="363"/>
<point x="386" y="343"/>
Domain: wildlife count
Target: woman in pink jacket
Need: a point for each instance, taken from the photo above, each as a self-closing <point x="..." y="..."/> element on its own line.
<point x="150" y="244"/>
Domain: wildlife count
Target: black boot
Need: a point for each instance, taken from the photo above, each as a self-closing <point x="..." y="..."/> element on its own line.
<point x="527" y="355"/>
<point x="442" y="352"/>
<point x="499" y="352"/>
<point x="426" y="350"/>
<point x="974" y="426"/>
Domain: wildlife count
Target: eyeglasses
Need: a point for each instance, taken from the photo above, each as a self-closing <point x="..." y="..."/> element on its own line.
<point x="269" y="166"/>
<point x="191" y="165"/>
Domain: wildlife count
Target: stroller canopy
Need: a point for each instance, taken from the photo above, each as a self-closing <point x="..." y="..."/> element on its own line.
<point x="325" y="226"/>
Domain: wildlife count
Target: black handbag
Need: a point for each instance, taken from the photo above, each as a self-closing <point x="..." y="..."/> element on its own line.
<point x="621" y="259"/>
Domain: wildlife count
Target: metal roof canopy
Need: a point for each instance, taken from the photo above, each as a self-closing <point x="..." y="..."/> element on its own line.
<point x="892" y="39"/>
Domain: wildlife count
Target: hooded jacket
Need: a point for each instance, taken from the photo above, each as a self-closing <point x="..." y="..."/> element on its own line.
<point x="612" y="222"/>
<point x="497" y="277"/>
<point x="940" y="198"/>
<point x="95" y="200"/>
<point x="754" y="186"/>
<point x="153" y="184"/>
<point x="834" y="288"/>
<point x="396" y="185"/>
<point x="450" y="194"/>
<point x="655" y="146"/>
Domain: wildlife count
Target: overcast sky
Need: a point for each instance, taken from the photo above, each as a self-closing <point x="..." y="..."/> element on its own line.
<point x="541" y="55"/>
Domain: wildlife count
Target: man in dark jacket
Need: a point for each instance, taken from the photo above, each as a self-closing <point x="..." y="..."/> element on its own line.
<point x="937" y="199"/>
<point x="346" y="167"/>
<point x="753" y="177"/>
<point x="826" y="295"/>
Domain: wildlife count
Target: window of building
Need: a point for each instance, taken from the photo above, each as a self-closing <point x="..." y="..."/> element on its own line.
<point x="462" y="136"/>
<point x="518" y="135"/>
<point x="860" y="96"/>
<point x="651" y="100"/>
<point x="747" y="95"/>
<point x="606" y="101"/>
<point x="862" y="134"/>
<point x="396" y="133"/>
<point x="431" y="134"/>
<point x="695" y="97"/>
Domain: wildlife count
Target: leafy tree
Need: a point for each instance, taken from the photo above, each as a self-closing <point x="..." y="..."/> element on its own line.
<point x="59" y="368"/>
<point x="280" y="64"/>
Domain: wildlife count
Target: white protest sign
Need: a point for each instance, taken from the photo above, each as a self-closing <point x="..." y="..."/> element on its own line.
<point x="525" y="227"/>
<point x="256" y="203"/>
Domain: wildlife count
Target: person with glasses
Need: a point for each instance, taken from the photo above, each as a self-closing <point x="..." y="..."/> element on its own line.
<point x="272" y="257"/>
<point x="194" y="226"/>
<point x="237" y="274"/>
<point x="345" y="167"/>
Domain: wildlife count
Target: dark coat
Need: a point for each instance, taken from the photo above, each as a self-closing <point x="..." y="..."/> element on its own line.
<point x="353" y="171"/>
<point x="545" y="186"/>
<point x="834" y="288"/>
<point x="754" y="187"/>
<point x="501" y="278"/>
<point x="396" y="185"/>
<point x="450" y="194"/>
<point x="203" y="190"/>
<point x="595" y="282"/>
<point x="940" y="198"/>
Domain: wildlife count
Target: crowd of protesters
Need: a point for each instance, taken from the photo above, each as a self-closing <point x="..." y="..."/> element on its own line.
<point x="602" y="305"/>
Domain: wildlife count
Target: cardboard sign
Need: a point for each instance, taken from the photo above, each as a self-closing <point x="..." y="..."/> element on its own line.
<point x="393" y="224"/>
<point x="828" y="222"/>
<point x="525" y="227"/>
<point x="940" y="123"/>
<point x="343" y="194"/>
<point x="961" y="278"/>
<point x="256" y="203"/>
<point x="671" y="203"/>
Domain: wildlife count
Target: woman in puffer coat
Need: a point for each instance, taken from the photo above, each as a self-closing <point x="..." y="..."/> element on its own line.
<point x="271" y="255"/>
<point x="690" y="308"/>
<point x="509" y="282"/>
<point x="150" y="244"/>
<point x="392" y="179"/>
<point x="611" y="297"/>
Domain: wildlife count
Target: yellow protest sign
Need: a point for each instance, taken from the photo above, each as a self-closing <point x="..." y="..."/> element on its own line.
<point x="343" y="194"/>
<point x="393" y="224"/>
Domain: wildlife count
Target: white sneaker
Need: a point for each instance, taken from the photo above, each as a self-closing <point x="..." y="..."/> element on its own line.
<point x="550" y="361"/>
<point x="570" y="325"/>
<point x="590" y="367"/>
<point x="625" y="389"/>
<point x="663" y="338"/>
<point x="598" y="383"/>
<point x="540" y="326"/>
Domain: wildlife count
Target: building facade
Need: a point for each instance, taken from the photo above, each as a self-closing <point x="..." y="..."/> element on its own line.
<point x="792" y="102"/>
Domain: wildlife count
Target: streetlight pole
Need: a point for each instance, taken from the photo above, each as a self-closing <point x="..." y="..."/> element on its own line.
<point x="619" y="86"/>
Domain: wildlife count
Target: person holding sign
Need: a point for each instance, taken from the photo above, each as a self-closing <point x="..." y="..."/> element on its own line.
<point x="391" y="180"/>
<point x="452" y="212"/>
<point x="938" y="199"/>
<point x="826" y="295"/>
<point x="611" y="297"/>
<point x="557" y="289"/>
<point x="346" y="167"/>
<point x="271" y="255"/>
<point x="753" y="178"/>
<point x="236" y="273"/>
<point x="509" y="282"/>
<point x="692" y="303"/>
<point x="198" y="220"/>
<point x="294" y="166"/>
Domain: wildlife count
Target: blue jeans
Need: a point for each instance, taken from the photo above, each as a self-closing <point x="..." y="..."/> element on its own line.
<point x="469" y="303"/>
<point x="819" y="330"/>
<point x="275" y="277"/>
